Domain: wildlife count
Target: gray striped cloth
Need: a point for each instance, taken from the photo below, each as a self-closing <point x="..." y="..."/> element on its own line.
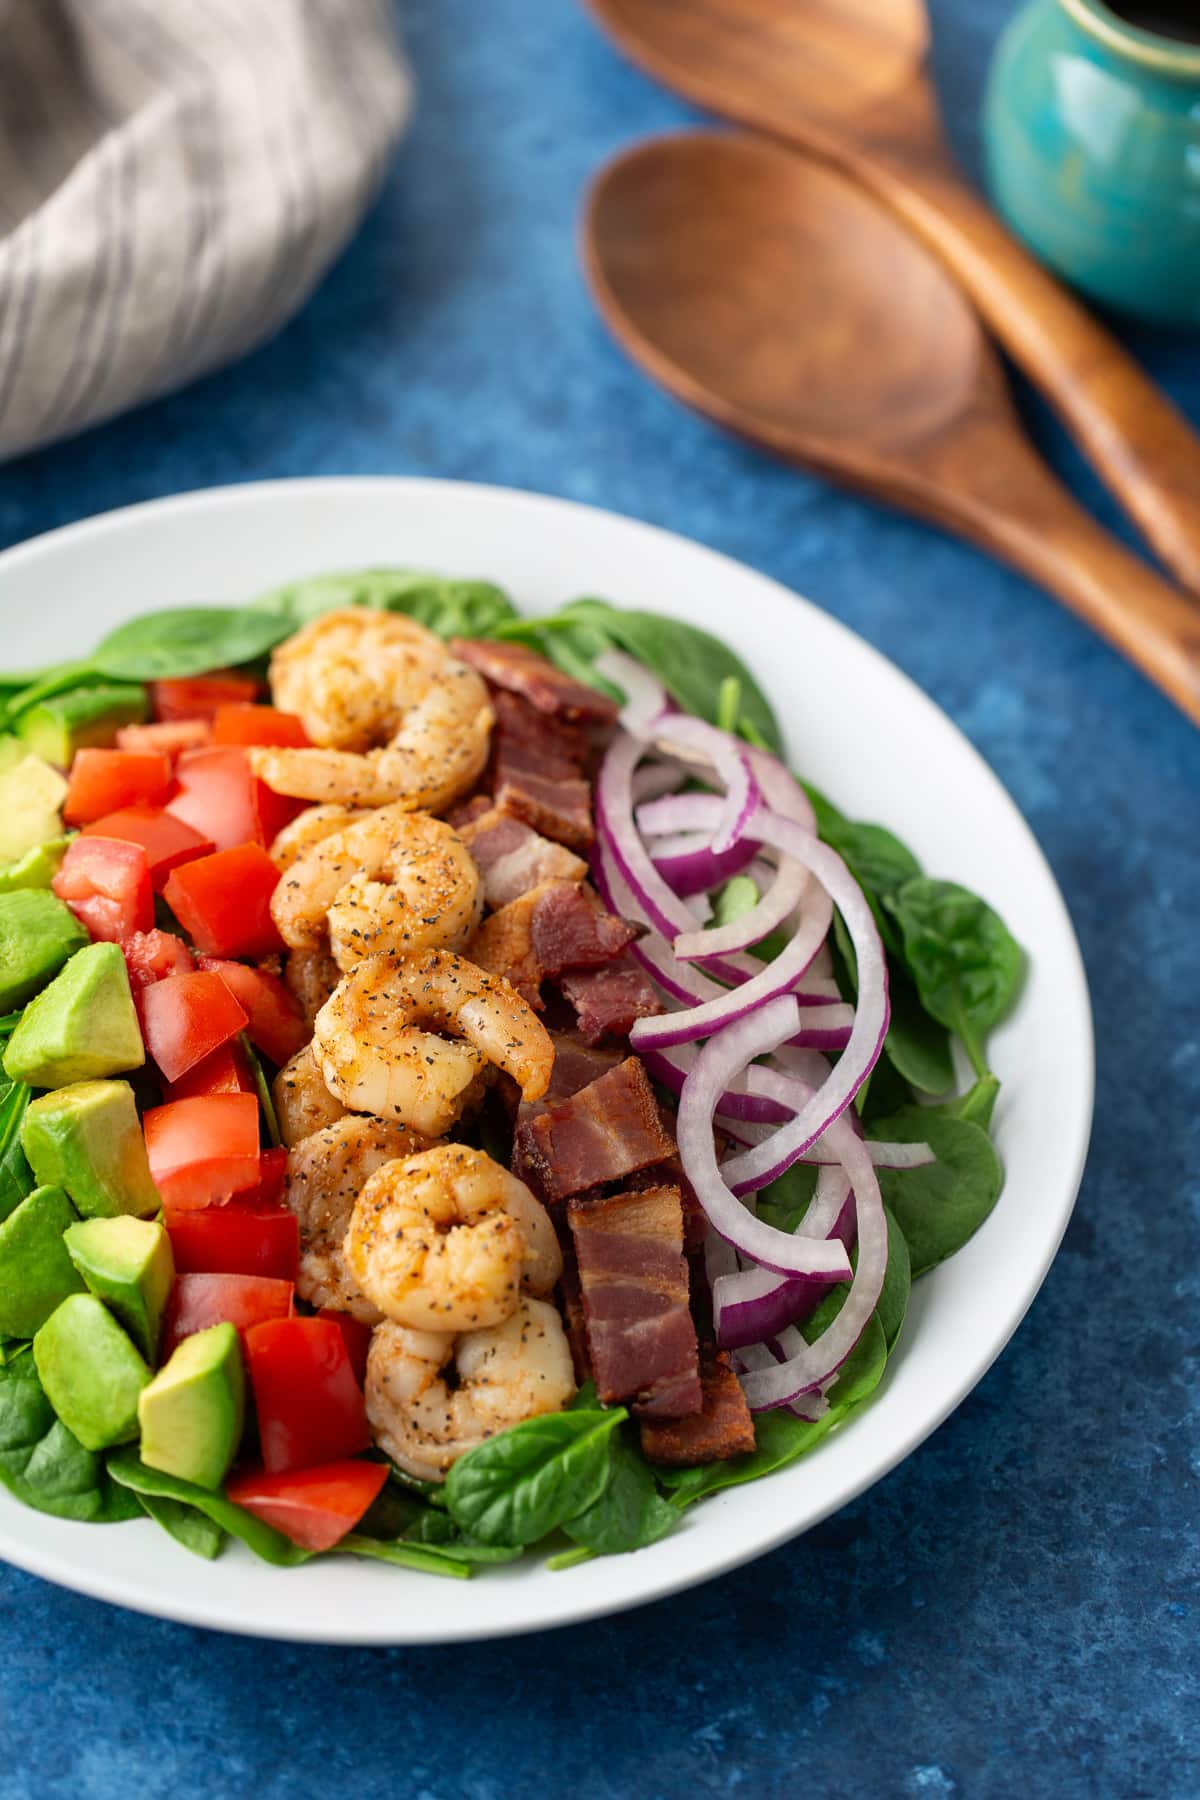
<point x="175" y="177"/>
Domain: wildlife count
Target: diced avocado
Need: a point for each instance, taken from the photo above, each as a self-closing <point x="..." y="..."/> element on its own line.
<point x="192" y="1412"/>
<point x="11" y="750"/>
<point x="37" y="936"/>
<point x="37" y="868"/>
<point x="91" y="1372"/>
<point x="80" y="1027"/>
<point x="35" y="1270"/>
<point x="31" y="794"/>
<point x="127" y="1263"/>
<point x="56" y="728"/>
<point x="87" y="1138"/>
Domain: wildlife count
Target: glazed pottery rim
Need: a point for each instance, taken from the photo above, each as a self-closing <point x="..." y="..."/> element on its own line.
<point x="1166" y="56"/>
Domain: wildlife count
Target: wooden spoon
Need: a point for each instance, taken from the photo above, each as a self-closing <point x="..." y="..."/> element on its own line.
<point x="847" y="80"/>
<point x="776" y="297"/>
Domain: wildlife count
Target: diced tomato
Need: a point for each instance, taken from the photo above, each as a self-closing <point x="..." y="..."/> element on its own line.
<point x="186" y="1017"/>
<point x="224" y="902"/>
<point x="357" y="1336"/>
<point x="166" y="840"/>
<point x="199" y="696"/>
<point x="276" y="1025"/>
<point x="168" y="740"/>
<point x="314" y="1507"/>
<point x="201" y="1151"/>
<point x="153" y="955"/>
<point x="226" y="1071"/>
<point x="272" y="1179"/>
<point x="244" y="1237"/>
<point x="309" y="1405"/>
<point x="106" y="884"/>
<point x="220" y="798"/>
<point x="198" y="1301"/>
<point x="102" y="781"/>
<point x="258" y="725"/>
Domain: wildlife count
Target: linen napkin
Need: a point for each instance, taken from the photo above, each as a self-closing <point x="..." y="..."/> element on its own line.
<point x="175" y="177"/>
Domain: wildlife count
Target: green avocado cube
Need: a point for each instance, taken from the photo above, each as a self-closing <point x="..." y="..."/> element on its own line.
<point x="12" y="751"/>
<point x="31" y="794"/>
<point x="91" y="1372"/>
<point x="87" y="1138"/>
<point x="192" y="1413"/>
<point x="57" y="727"/>
<point x="37" y="868"/>
<point x="80" y="1027"/>
<point x="36" y="1272"/>
<point x="37" y="936"/>
<point x="128" y="1264"/>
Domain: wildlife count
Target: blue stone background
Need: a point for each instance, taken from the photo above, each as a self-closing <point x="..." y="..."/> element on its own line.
<point x="1013" y="1611"/>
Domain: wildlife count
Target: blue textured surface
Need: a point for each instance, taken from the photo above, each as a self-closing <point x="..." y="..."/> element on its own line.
<point x="1012" y="1612"/>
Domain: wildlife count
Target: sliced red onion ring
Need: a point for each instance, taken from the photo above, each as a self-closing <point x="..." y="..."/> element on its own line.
<point x="722" y="1058"/>
<point x="731" y="761"/>
<point x="790" y="883"/>
<point x="654" y="778"/>
<point x="753" y="1305"/>
<point x="781" y="791"/>
<point x="687" y="863"/>
<point x="646" y="699"/>
<point x="809" y="1407"/>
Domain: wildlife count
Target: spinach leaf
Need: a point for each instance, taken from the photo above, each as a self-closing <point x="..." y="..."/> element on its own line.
<point x="437" y="1531"/>
<point x="266" y="1099"/>
<point x="16" y="1177"/>
<point x="186" y="640"/>
<point x="42" y="1464"/>
<point x="428" y="1560"/>
<point x="862" y="1370"/>
<point x="897" y="1283"/>
<point x="188" y="1527"/>
<point x="916" y="1045"/>
<point x="978" y="1103"/>
<point x="965" y="962"/>
<point x="780" y="1439"/>
<point x="518" y="1486"/>
<point x="875" y="857"/>
<point x="127" y="1467"/>
<point x="630" y="1512"/>
<point x="938" y="1207"/>
<point x="451" y="608"/>
<point x="787" y="1199"/>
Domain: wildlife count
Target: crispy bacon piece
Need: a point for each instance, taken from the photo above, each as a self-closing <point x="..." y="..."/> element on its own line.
<point x="512" y="858"/>
<point x="558" y="925"/>
<point x="608" y="1000"/>
<point x="467" y="811"/>
<point x="537" y="771"/>
<point x="522" y="671"/>
<point x="605" y="1132"/>
<point x="634" y="1283"/>
<point x="721" y="1429"/>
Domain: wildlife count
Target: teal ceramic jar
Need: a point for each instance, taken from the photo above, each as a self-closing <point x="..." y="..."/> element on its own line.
<point x="1092" y="139"/>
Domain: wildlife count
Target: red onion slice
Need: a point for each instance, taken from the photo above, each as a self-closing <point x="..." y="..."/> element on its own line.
<point x="731" y="761"/>
<point x="789" y="887"/>
<point x="646" y="699"/>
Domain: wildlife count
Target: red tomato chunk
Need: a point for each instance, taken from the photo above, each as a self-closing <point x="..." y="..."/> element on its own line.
<point x="314" y="1507"/>
<point x="221" y="799"/>
<point x="225" y="1071"/>
<point x="310" y="1408"/>
<point x="276" y="1025"/>
<point x="106" y="884"/>
<point x="258" y="725"/>
<point x="199" y="696"/>
<point x="202" y="1151"/>
<point x="168" y="740"/>
<point x="357" y="1336"/>
<point x="224" y="902"/>
<point x="244" y="1237"/>
<point x="153" y="955"/>
<point x="166" y="840"/>
<point x="185" y="1018"/>
<point x="101" y="781"/>
<point x="198" y="1301"/>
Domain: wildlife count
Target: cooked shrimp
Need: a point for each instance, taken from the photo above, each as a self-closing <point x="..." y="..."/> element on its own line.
<point x="446" y="1239"/>
<point x="303" y="1104"/>
<point x="435" y="755"/>
<point x="373" y="1049"/>
<point x="504" y="1374"/>
<point x="394" y="881"/>
<point x="310" y="976"/>
<point x="326" y="1172"/>
<point x="352" y="674"/>
<point x="312" y="826"/>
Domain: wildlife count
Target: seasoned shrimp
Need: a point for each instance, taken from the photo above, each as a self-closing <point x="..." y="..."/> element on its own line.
<point x="436" y="754"/>
<point x="372" y="1047"/>
<point x="312" y="826"/>
<point x="326" y="1172"/>
<point x="503" y="1375"/>
<point x="303" y="1104"/>
<point x="310" y="976"/>
<point x="352" y="674"/>
<point x="394" y="881"/>
<point x="446" y="1239"/>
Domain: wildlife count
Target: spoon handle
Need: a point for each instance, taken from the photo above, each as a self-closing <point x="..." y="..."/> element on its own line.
<point x="1138" y="442"/>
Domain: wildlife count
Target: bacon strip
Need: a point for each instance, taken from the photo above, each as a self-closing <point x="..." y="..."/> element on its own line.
<point x="537" y="771"/>
<point x="634" y="1284"/>
<point x="512" y="858"/>
<point x="608" y="1000"/>
<point x="559" y="925"/>
<point x="606" y="1132"/>
<point x="722" y="1428"/>
<point x="522" y="671"/>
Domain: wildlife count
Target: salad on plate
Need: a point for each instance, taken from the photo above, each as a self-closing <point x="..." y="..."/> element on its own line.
<point x="462" y="1093"/>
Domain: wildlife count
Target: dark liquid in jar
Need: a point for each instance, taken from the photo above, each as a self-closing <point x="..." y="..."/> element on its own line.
<point x="1180" y="21"/>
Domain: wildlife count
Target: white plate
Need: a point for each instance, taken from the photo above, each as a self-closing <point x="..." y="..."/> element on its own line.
<point x="862" y="732"/>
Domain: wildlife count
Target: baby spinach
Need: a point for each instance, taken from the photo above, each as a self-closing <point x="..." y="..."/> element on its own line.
<point x="630" y="1512"/>
<point x="897" y="1283"/>
<point x="450" y="607"/>
<point x="966" y="964"/>
<point x="42" y="1464"/>
<point x="16" y="1177"/>
<point x="978" y="1103"/>
<point x="780" y="1438"/>
<point x="262" y="1086"/>
<point x="437" y="1531"/>
<point x="186" y="640"/>
<point x="127" y="1468"/>
<point x="428" y="1560"/>
<point x="517" y="1487"/>
<point x="939" y="1206"/>
<point x="194" y="1530"/>
<point x="917" y="1046"/>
